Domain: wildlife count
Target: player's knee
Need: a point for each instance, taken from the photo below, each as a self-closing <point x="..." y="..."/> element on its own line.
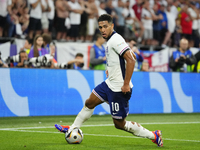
<point x="89" y="104"/>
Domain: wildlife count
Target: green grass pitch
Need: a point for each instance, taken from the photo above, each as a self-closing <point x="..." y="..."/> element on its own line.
<point x="180" y="132"/>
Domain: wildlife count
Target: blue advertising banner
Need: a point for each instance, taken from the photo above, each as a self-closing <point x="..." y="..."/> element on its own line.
<point x="41" y="92"/>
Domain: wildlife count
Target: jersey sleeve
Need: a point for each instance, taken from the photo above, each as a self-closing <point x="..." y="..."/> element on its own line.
<point x="120" y="46"/>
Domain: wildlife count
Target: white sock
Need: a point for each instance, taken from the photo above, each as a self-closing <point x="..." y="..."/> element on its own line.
<point x="137" y="130"/>
<point x="83" y="115"/>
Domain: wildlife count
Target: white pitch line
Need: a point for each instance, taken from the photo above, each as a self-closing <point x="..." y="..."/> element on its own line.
<point x="120" y="136"/>
<point x="106" y="125"/>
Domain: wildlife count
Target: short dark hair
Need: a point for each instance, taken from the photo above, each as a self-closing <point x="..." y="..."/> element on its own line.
<point x="105" y="17"/>
<point x="79" y="54"/>
<point x="30" y="41"/>
<point x="46" y="38"/>
<point x="22" y="52"/>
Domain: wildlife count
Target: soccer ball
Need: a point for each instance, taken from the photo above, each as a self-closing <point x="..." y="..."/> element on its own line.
<point x="74" y="136"/>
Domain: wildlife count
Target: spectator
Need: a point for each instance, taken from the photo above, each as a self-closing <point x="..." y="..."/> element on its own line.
<point x="35" y="17"/>
<point x="50" y="48"/>
<point x="157" y="2"/>
<point x="164" y="22"/>
<point x="92" y="12"/>
<point x="83" y="24"/>
<point x="182" y="59"/>
<point x="44" y="20"/>
<point x="11" y="18"/>
<point x="51" y="15"/>
<point x="24" y="19"/>
<point x="76" y="9"/>
<point x="12" y="21"/>
<point x="21" y="5"/>
<point x="110" y="10"/>
<point x="130" y="19"/>
<point x="132" y="45"/>
<point x="177" y="33"/>
<point x="22" y="57"/>
<point x="138" y="8"/>
<point x="171" y="20"/>
<point x="193" y="11"/>
<point x="147" y="19"/>
<point x="97" y="54"/>
<point x="186" y="23"/>
<point x="156" y="26"/>
<point x="197" y="65"/>
<point x="37" y="49"/>
<point x="62" y="12"/>
<point x="175" y="8"/>
<point x="46" y="41"/>
<point x="76" y="63"/>
<point x="120" y="21"/>
<point x="27" y="46"/>
<point x="101" y="8"/>
<point x="145" y="66"/>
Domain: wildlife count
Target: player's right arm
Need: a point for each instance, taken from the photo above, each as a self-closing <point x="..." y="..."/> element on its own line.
<point x="130" y="58"/>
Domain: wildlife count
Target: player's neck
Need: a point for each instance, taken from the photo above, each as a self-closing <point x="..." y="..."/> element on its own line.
<point x="113" y="32"/>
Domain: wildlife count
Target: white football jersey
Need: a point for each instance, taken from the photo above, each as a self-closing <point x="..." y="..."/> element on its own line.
<point x="116" y="64"/>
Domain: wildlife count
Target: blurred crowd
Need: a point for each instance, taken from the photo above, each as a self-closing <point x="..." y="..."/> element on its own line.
<point x="41" y="54"/>
<point x="151" y="22"/>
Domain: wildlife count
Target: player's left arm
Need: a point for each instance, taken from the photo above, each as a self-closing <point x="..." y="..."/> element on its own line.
<point x="130" y="58"/>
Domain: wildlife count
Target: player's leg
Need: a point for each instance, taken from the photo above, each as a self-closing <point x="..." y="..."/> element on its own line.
<point x="138" y="130"/>
<point x="119" y="108"/>
<point x="86" y="111"/>
<point x="134" y="128"/>
<point x="97" y="97"/>
<point x="83" y="115"/>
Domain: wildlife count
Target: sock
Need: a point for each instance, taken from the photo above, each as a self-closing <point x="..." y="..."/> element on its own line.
<point x="83" y="115"/>
<point x="137" y="130"/>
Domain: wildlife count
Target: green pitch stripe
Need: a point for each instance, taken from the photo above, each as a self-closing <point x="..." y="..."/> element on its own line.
<point x="103" y="135"/>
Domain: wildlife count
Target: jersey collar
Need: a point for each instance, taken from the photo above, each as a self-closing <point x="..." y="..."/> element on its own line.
<point x="111" y="35"/>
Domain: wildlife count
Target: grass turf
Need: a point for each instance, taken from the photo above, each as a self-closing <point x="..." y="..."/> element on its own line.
<point x="180" y="131"/>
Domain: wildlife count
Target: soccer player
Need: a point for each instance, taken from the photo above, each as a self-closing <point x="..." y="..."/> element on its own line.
<point x="117" y="88"/>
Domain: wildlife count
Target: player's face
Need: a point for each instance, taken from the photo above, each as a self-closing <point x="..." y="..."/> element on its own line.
<point x="105" y="28"/>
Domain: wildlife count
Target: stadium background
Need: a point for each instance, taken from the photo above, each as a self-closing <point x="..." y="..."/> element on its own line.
<point x="41" y="92"/>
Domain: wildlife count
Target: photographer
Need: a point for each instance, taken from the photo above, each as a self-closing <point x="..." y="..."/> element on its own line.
<point x="182" y="59"/>
<point x="76" y="63"/>
<point x="23" y="57"/>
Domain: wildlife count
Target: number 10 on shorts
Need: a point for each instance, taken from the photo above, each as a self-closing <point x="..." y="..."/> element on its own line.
<point x="115" y="106"/>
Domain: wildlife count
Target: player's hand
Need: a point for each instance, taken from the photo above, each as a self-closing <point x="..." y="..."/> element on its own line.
<point x="125" y="89"/>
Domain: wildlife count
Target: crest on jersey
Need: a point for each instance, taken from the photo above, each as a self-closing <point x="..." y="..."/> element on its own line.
<point x="106" y="49"/>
